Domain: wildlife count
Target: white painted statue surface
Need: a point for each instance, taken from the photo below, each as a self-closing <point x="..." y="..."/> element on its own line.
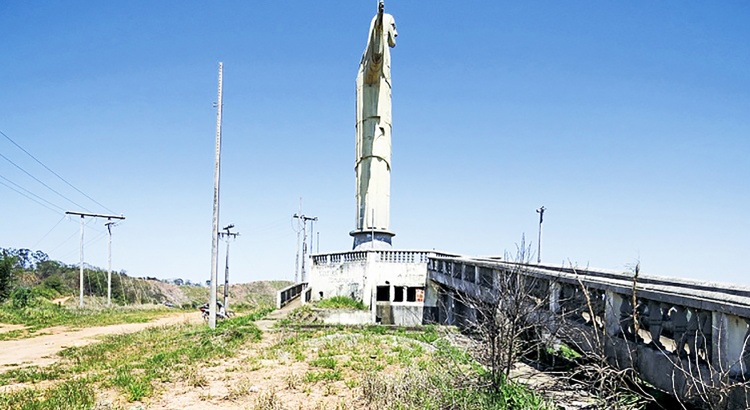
<point x="373" y="126"/>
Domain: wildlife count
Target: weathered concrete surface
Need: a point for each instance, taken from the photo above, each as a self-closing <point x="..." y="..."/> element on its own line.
<point x="394" y="281"/>
<point x="344" y="316"/>
<point x="373" y="133"/>
<point x="686" y="338"/>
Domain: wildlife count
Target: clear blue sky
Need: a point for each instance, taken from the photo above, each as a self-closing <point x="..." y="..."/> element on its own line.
<point x="628" y="121"/>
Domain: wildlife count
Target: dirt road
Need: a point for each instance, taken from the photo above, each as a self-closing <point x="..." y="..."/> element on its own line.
<point x="41" y="350"/>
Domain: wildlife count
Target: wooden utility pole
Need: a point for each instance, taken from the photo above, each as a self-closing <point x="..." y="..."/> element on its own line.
<point x="227" y="235"/>
<point x="83" y="215"/>
<point x="215" y="232"/>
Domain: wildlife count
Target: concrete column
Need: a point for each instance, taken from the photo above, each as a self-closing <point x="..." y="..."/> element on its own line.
<point x="449" y="308"/>
<point x="554" y="296"/>
<point x="719" y="341"/>
<point x="612" y="302"/>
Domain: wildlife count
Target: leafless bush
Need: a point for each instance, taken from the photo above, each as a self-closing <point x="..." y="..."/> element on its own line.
<point x="512" y="320"/>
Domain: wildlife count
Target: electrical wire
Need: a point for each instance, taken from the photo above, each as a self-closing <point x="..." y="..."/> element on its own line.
<point x="55" y="173"/>
<point x="48" y="232"/>
<point x="63" y="242"/>
<point x="85" y="244"/>
<point x="47" y="186"/>
<point x="32" y="194"/>
<point x="11" y="188"/>
<point x="68" y="238"/>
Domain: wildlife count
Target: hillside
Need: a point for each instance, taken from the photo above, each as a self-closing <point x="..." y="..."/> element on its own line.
<point x="24" y="270"/>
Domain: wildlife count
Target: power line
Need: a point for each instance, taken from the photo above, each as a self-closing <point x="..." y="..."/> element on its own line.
<point x="68" y="238"/>
<point x="55" y="173"/>
<point x="10" y="187"/>
<point x="48" y="232"/>
<point x="32" y="194"/>
<point x="96" y="238"/>
<point x="39" y="181"/>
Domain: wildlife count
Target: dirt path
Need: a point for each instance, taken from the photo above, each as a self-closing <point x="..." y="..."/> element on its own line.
<point x="41" y="350"/>
<point x="4" y="327"/>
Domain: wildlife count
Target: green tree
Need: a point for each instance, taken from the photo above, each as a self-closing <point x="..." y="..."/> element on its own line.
<point x="6" y="276"/>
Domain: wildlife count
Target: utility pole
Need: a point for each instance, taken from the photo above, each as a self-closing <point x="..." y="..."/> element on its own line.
<point x="304" y="243"/>
<point x="312" y="233"/>
<point x="83" y="215"/>
<point x="227" y="235"/>
<point x="215" y="232"/>
<point x="303" y="219"/>
<point x="299" y="230"/>
<point x="540" y="211"/>
<point x="109" y="226"/>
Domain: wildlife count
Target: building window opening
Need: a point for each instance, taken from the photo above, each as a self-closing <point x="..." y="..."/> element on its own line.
<point x="383" y="294"/>
<point x="398" y="294"/>
<point x="415" y="294"/>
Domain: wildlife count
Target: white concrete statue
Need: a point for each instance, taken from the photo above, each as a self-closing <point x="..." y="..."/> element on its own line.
<point x="373" y="128"/>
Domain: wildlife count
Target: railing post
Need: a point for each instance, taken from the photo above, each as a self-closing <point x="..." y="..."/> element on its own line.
<point x="719" y="344"/>
<point x="612" y="302"/>
<point x="554" y="296"/>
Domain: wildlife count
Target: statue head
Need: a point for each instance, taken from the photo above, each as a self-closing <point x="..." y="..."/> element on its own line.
<point x="389" y="25"/>
<point x="389" y="28"/>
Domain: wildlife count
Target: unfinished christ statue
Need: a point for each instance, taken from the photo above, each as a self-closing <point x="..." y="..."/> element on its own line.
<point x="373" y="130"/>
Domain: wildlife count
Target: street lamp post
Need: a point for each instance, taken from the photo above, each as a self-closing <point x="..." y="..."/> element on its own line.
<point x="540" y="211"/>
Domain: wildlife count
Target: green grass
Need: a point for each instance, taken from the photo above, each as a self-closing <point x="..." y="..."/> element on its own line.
<point x="134" y="363"/>
<point x="75" y="394"/>
<point x="324" y="362"/>
<point x="390" y="368"/>
<point x="395" y="368"/>
<point x="45" y="314"/>
<point x="340" y="302"/>
<point x="314" y="376"/>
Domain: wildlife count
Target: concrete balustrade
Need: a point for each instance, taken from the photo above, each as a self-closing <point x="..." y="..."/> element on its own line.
<point x="289" y="293"/>
<point x="684" y="337"/>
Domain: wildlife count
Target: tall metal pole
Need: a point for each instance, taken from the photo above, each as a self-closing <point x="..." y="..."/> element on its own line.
<point x="540" y="211"/>
<point x="215" y="232"/>
<point x="109" y="263"/>
<point x="80" y="279"/>
<point x="317" y="243"/>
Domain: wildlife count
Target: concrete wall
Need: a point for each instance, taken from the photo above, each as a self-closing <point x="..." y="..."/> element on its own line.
<point x="398" y="278"/>
<point x="344" y="316"/>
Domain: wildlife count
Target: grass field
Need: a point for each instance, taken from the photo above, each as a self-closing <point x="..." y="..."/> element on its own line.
<point x="132" y="365"/>
<point x="288" y="367"/>
<point x="45" y="314"/>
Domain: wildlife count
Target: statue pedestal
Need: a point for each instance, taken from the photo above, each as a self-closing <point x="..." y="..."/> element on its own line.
<point x="364" y="240"/>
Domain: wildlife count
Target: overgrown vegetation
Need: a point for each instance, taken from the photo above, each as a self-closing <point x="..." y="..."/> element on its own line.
<point x="39" y="314"/>
<point x="37" y="293"/>
<point x="71" y="394"/>
<point x="340" y="302"/>
<point x="395" y="368"/>
<point x="133" y="364"/>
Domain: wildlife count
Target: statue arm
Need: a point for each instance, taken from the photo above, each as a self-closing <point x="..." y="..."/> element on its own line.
<point x="373" y="57"/>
